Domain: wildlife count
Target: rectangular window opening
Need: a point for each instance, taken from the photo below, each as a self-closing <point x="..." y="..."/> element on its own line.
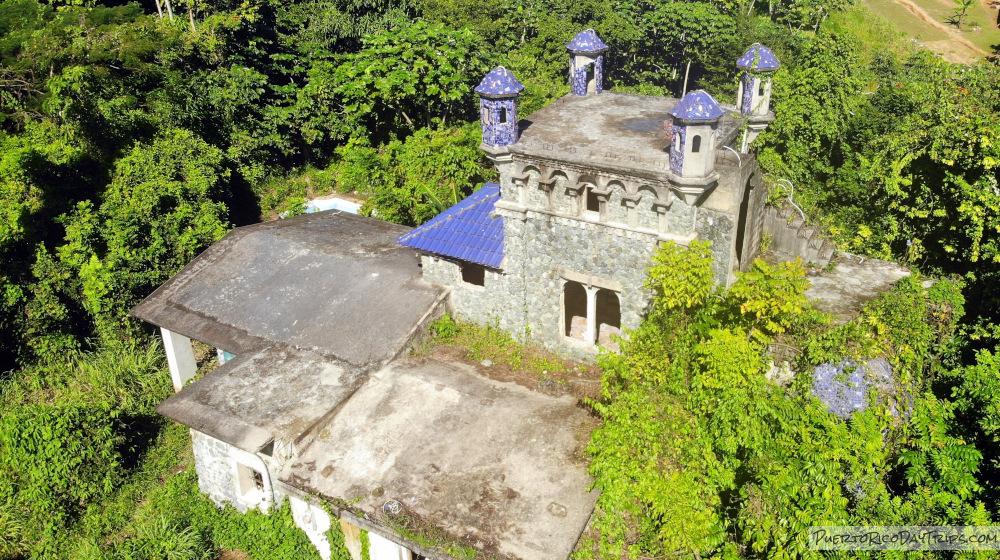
<point x="250" y="480"/>
<point x="593" y="202"/>
<point x="474" y="274"/>
<point x="503" y="115"/>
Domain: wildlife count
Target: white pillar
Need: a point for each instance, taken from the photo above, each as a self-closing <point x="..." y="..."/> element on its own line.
<point x="591" y="335"/>
<point x="380" y="548"/>
<point x="314" y="522"/>
<point x="180" y="357"/>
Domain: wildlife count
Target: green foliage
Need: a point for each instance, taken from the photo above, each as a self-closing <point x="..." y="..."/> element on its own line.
<point x="445" y="328"/>
<point x="418" y="75"/>
<point x="411" y="181"/>
<point x="66" y="439"/>
<point x="700" y="454"/>
<point x="681" y="279"/>
<point x="335" y="536"/>
<point x="116" y="250"/>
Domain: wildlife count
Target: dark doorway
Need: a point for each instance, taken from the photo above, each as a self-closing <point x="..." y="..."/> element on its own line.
<point x="741" y="226"/>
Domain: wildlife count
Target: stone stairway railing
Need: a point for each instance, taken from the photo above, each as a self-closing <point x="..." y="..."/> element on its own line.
<point x="791" y="237"/>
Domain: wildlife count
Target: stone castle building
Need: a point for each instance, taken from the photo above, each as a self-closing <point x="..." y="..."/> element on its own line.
<point x="590" y="187"/>
<point x="317" y="401"/>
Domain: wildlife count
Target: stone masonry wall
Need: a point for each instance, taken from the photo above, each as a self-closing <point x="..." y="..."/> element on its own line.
<point x="216" y="464"/>
<point x="720" y="229"/>
<point x="494" y="303"/>
<point x="540" y="248"/>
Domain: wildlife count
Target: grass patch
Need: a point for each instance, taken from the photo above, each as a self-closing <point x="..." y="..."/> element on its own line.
<point x="500" y="356"/>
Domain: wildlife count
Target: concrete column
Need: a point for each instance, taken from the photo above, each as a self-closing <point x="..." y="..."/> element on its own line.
<point x="180" y="357"/>
<point x="661" y="213"/>
<point x="383" y="549"/>
<point x="591" y="335"/>
<point x="633" y="213"/>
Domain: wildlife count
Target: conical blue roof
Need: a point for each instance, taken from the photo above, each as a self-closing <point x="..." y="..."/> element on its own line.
<point x="697" y="105"/>
<point x="587" y="42"/>
<point x="758" y="57"/>
<point x="500" y="82"/>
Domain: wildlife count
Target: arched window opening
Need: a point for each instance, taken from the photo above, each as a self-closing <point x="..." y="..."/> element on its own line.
<point x="760" y="90"/>
<point x="575" y="311"/>
<point x="696" y="144"/>
<point x="609" y="318"/>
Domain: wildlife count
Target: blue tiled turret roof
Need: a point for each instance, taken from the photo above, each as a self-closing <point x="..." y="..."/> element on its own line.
<point x="697" y="105"/>
<point x="500" y="82"/>
<point x="758" y="57"/>
<point x="465" y="231"/>
<point x="586" y="42"/>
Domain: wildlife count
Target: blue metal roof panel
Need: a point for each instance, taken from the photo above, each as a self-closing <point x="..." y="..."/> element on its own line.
<point x="758" y="57"/>
<point x="586" y="42"/>
<point x="697" y="105"/>
<point x="500" y="82"/>
<point x="465" y="231"/>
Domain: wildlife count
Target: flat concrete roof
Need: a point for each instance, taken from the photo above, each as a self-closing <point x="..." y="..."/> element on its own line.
<point x="620" y="132"/>
<point x="277" y="393"/>
<point x="853" y="281"/>
<point x="492" y="465"/>
<point x="331" y="282"/>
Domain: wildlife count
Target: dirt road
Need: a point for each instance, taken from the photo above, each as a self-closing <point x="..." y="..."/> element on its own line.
<point x="954" y="49"/>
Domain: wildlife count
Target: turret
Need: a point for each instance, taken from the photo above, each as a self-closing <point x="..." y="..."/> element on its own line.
<point x="754" y="96"/>
<point x="696" y="119"/>
<point x="586" y="63"/>
<point x="498" y="107"/>
<point x="692" y="147"/>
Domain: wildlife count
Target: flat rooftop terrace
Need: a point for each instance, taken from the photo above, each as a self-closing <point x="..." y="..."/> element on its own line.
<point x="493" y="465"/>
<point x="619" y="132"/>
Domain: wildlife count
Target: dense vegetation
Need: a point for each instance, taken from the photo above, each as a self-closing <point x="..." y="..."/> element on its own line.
<point x="132" y="136"/>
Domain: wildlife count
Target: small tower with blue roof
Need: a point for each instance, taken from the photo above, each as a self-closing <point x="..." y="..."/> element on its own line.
<point x="692" y="147"/>
<point x="586" y="63"/>
<point x="498" y="107"/>
<point x="753" y="99"/>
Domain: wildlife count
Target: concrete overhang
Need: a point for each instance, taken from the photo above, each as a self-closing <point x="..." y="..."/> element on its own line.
<point x="275" y="394"/>
<point x="334" y="283"/>
<point x="851" y="283"/>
